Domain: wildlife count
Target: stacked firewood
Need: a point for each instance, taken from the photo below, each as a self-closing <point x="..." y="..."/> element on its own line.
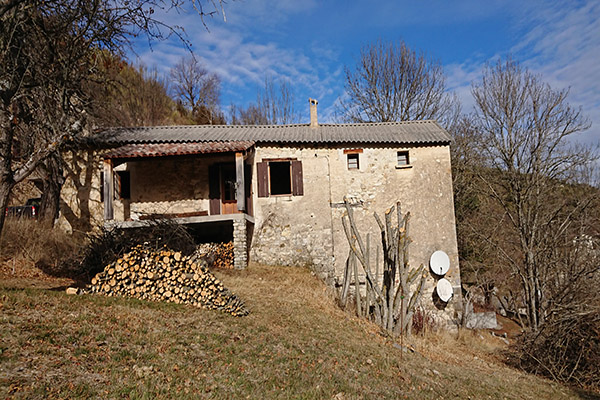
<point x="166" y="275"/>
<point x="218" y="255"/>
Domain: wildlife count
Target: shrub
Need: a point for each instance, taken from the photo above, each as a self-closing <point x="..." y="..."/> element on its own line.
<point x="423" y="321"/>
<point x="43" y="247"/>
<point x="108" y="245"/>
<point x="567" y="346"/>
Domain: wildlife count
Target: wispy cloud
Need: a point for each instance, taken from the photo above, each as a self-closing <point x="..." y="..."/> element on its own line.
<point x="459" y="80"/>
<point x="560" y="41"/>
<point x="242" y="62"/>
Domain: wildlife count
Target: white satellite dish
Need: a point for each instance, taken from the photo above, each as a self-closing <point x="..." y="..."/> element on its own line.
<point x="444" y="290"/>
<point x="439" y="263"/>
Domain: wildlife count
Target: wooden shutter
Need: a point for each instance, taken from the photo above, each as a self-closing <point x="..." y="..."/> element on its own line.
<point x="297" y="184"/>
<point x="214" y="190"/>
<point x="262" y="179"/>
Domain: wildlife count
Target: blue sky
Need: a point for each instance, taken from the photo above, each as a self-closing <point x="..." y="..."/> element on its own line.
<point x="308" y="43"/>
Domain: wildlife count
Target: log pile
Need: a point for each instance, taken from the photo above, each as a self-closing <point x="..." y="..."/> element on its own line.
<point x="166" y="275"/>
<point x="218" y="255"/>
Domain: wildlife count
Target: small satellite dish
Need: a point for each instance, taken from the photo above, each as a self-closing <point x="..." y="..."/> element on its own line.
<point x="439" y="263"/>
<point x="444" y="290"/>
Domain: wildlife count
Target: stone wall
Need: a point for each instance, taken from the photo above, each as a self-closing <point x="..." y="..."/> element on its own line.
<point x="307" y="229"/>
<point x="296" y="230"/>
<point x="81" y="208"/>
<point x="167" y="185"/>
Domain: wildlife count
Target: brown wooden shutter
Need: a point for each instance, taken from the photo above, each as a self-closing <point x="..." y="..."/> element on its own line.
<point x="297" y="184"/>
<point x="214" y="190"/>
<point x="262" y="179"/>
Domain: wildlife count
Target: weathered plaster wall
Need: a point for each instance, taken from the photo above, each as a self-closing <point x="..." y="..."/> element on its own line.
<point x="301" y="230"/>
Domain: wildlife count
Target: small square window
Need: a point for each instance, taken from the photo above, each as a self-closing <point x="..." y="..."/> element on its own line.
<point x="353" y="161"/>
<point x="403" y="159"/>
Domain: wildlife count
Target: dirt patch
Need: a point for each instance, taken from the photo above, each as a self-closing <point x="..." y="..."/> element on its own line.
<point x="509" y="328"/>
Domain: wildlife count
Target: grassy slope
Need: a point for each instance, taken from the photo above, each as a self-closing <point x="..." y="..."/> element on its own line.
<point x="295" y="344"/>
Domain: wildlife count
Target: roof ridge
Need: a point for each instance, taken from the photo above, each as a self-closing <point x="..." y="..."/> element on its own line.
<point x="420" y="121"/>
<point x="273" y="125"/>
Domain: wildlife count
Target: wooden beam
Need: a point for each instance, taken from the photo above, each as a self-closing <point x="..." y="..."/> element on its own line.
<point x="109" y="191"/>
<point x="239" y="182"/>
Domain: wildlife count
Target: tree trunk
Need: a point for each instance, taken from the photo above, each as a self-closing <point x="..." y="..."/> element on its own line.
<point x="80" y="171"/>
<point x="6" y="177"/>
<point x="5" y="188"/>
<point x="51" y="186"/>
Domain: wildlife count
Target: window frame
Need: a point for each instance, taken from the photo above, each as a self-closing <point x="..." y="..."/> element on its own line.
<point x="405" y="153"/>
<point x="351" y="165"/>
<point x="350" y="154"/>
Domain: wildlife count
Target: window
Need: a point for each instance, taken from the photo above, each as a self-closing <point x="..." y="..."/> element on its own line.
<point x="403" y="160"/>
<point x="124" y="184"/>
<point x="228" y="180"/>
<point x="102" y="186"/>
<point x="352" y="156"/>
<point x="353" y="161"/>
<point x="279" y="177"/>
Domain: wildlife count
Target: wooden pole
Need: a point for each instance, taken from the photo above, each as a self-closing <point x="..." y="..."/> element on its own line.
<point x="239" y="182"/>
<point x="356" y="285"/>
<point x="108" y="190"/>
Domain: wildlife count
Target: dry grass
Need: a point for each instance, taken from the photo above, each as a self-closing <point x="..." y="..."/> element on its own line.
<point x="295" y="344"/>
<point x="27" y="243"/>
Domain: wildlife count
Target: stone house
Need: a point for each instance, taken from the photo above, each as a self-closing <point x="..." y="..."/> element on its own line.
<point x="279" y="191"/>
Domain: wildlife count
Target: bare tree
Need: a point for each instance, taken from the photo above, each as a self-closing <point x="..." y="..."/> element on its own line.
<point x="197" y="88"/>
<point x="532" y="172"/>
<point x="274" y="106"/>
<point x="50" y="51"/>
<point x="391" y="82"/>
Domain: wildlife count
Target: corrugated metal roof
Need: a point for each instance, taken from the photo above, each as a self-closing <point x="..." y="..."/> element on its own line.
<point x="412" y="132"/>
<point x="174" y="149"/>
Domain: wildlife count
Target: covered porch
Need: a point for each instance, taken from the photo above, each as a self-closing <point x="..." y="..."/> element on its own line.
<point x="206" y="185"/>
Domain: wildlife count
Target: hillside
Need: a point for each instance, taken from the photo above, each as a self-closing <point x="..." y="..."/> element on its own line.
<point x="295" y="344"/>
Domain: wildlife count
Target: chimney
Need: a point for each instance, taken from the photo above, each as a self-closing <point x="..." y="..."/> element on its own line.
<point x="313" y="113"/>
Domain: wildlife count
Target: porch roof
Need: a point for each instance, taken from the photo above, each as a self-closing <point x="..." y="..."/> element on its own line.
<point x="408" y="132"/>
<point x="138" y="150"/>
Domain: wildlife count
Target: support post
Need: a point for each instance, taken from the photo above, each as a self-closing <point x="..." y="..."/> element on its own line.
<point x="240" y="243"/>
<point x="239" y="182"/>
<point x="109" y="190"/>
